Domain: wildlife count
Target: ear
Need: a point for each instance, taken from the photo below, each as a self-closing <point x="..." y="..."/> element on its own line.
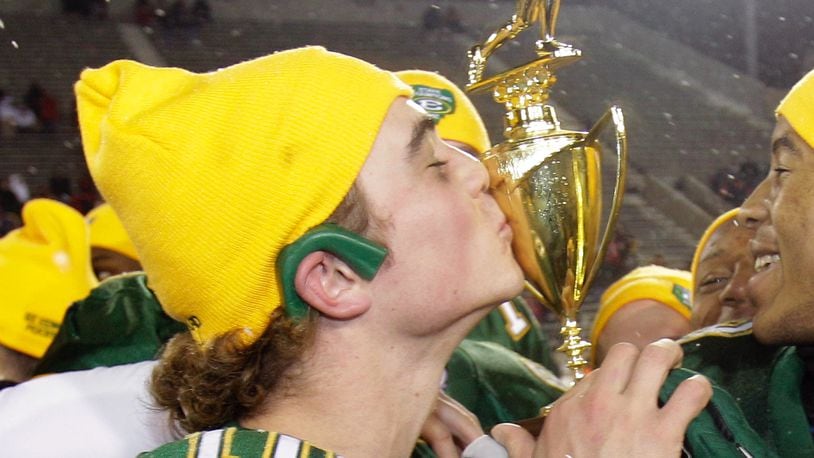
<point x="330" y="286"/>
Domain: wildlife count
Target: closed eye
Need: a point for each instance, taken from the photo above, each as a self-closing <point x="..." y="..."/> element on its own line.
<point x="713" y="281"/>
<point x="440" y="170"/>
<point x="712" y="284"/>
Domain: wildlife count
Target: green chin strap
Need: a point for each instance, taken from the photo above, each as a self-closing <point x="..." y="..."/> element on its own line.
<point x="362" y="255"/>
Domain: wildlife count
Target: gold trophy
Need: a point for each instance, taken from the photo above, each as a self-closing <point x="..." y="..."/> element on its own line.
<point x="548" y="180"/>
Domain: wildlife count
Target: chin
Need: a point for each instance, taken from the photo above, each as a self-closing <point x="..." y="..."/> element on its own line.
<point x="765" y="326"/>
<point x="516" y="286"/>
<point x="507" y="280"/>
<point x="772" y="330"/>
<point x="764" y="335"/>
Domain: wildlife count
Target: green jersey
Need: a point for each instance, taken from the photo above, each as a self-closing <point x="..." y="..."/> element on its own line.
<point x="236" y="442"/>
<point x="765" y="382"/>
<point x="513" y="325"/>
<point x="497" y="384"/>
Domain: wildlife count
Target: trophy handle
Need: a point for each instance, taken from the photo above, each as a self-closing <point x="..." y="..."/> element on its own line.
<point x="613" y="114"/>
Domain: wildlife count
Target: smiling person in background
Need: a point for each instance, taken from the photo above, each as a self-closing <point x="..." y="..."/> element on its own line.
<point x="721" y="268"/>
<point x="768" y="364"/>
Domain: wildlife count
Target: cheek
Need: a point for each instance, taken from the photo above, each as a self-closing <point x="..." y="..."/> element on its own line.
<point x="453" y="223"/>
<point x="792" y="220"/>
<point x="705" y="309"/>
<point x="436" y="237"/>
<point x="744" y="270"/>
<point x="792" y="213"/>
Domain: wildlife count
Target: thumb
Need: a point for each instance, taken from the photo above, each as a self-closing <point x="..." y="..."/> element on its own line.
<point x="517" y="441"/>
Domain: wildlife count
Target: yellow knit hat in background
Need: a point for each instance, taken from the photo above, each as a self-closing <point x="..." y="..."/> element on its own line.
<point x="455" y="116"/>
<point x="106" y="231"/>
<point x="44" y="267"/>
<point x="702" y="243"/>
<point x="798" y="108"/>
<point x="668" y="286"/>
<point x="213" y="174"/>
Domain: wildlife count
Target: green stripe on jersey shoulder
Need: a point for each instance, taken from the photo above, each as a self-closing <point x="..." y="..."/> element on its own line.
<point x="736" y="328"/>
<point x="234" y="442"/>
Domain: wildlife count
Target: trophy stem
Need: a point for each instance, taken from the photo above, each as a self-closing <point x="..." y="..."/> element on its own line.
<point x="573" y="346"/>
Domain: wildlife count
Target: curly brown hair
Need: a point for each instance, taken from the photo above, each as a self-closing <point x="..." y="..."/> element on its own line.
<point x="204" y="387"/>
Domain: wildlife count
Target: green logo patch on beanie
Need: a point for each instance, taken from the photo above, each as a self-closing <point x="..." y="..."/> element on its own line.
<point x="436" y="102"/>
<point x="682" y="294"/>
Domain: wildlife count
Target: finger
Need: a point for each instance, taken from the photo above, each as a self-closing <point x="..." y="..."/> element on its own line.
<point x="517" y="441"/>
<point x="485" y="447"/>
<point x="438" y="437"/>
<point x="687" y="401"/>
<point x="461" y="423"/>
<point x="579" y="389"/>
<point x="614" y="375"/>
<point x="652" y="368"/>
<point x="534" y="425"/>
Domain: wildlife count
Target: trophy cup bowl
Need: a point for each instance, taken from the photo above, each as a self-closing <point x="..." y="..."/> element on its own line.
<point x="550" y="188"/>
<point x="553" y="206"/>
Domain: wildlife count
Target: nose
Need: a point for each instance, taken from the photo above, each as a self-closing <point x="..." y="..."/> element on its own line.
<point x="734" y="293"/>
<point x="735" y="296"/>
<point x="755" y="209"/>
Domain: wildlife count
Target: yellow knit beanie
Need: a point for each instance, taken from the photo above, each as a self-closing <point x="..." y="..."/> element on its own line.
<point x="668" y="286"/>
<point x="455" y="116"/>
<point x="106" y="231"/>
<point x="702" y="243"/>
<point x="44" y="267"/>
<point x="798" y="108"/>
<point x="213" y="174"/>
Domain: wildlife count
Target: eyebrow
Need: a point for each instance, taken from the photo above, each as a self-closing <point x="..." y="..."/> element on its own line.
<point x="420" y="131"/>
<point x="784" y="142"/>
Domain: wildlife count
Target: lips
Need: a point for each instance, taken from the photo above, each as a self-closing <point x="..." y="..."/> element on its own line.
<point x="765" y="253"/>
<point x="765" y="261"/>
<point x="764" y="248"/>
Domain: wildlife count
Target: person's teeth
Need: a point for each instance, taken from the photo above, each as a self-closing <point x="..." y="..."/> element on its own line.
<point x="763" y="262"/>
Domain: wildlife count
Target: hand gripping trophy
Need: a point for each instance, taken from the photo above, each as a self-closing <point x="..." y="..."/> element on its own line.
<point x="547" y="179"/>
